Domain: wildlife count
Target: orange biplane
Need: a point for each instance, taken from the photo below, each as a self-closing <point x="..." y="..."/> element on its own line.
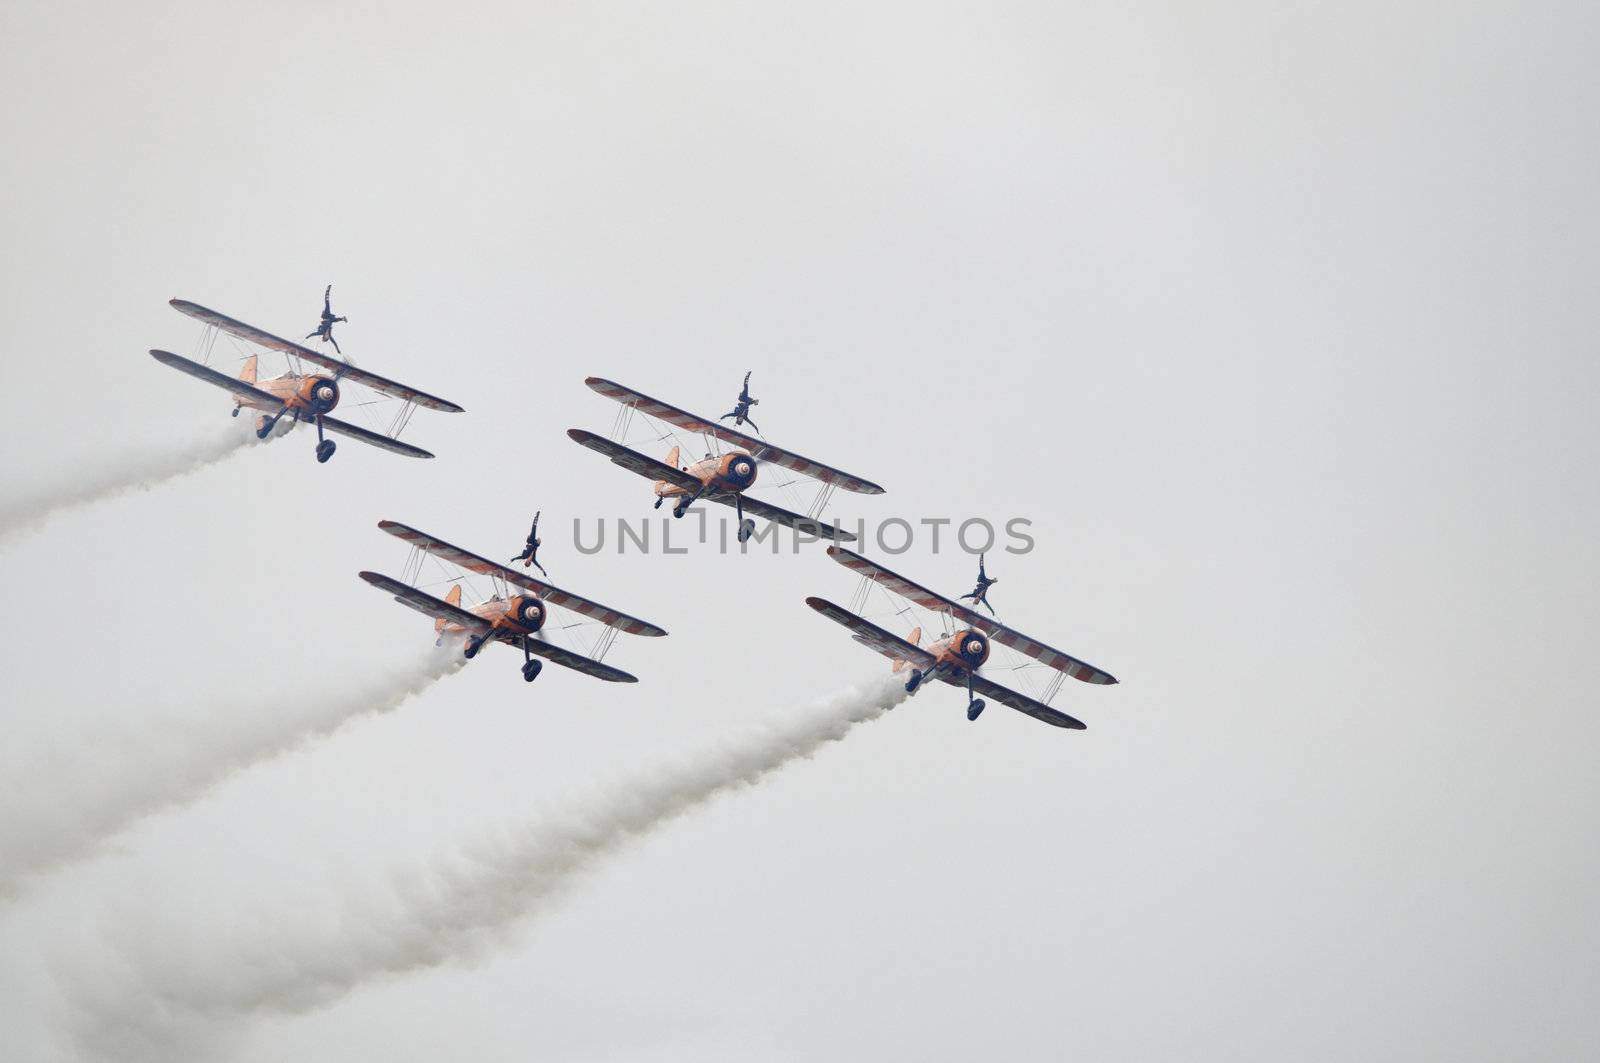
<point x="514" y="614"/>
<point x="957" y="655"/>
<point x="717" y="477"/>
<point x="302" y="395"/>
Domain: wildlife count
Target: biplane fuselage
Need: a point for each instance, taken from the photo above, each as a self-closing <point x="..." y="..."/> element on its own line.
<point x="300" y="393"/>
<point x="965" y="650"/>
<point x="734" y="471"/>
<point x="522" y="614"/>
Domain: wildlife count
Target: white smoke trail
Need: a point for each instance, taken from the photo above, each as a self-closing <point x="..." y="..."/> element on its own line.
<point x="141" y="764"/>
<point x="121" y="471"/>
<point x="184" y="991"/>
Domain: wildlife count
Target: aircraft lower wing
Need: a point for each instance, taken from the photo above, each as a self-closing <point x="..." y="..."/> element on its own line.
<point x="222" y="380"/>
<point x="916" y="592"/>
<point x="567" y="659"/>
<point x="633" y="461"/>
<point x="341" y="368"/>
<point x="427" y="604"/>
<point x="376" y="439"/>
<point x="779" y="515"/>
<point x="759" y="448"/>
<point x="872" y="636"/>
<point x="472" y="562"/>
<point x="1021" y="702"/>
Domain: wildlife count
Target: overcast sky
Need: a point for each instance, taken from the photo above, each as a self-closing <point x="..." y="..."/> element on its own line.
<point x="1275" y="320"/>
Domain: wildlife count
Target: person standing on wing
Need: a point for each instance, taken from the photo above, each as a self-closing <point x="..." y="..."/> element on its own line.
<point x="325" y="329"/>
<point x="741" y="409"/>
<point x="529" y="556"/>
<point x="980" y="593"/>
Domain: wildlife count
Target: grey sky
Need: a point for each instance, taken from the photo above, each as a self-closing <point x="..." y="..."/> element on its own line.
<point x="1276" y="321"/>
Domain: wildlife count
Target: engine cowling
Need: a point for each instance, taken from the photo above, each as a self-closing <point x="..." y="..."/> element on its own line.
<point x="972" y="647"/>
<point x="319" y="393"/>
<point x="736" y="470"/>
<point x="529" y="612"/>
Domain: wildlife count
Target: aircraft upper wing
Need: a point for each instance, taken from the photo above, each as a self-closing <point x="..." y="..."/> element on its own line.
<point x="760" y="449"/>
<point x="566" y="658"/>
<point x="1021" y="702"/>
<point x="389" y="443"/>
<point x="339" y="366"/>
<point x="782" y="516"/>
<point x="1049" y="655"/>
<point x="425" y="603"/>
<point x="470" y="561"/>
<point x="221" y="380"/>
<point x="633" y="461"/>
<point x="871" y="635"/>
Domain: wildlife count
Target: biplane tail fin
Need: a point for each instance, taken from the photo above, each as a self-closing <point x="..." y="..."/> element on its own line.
<point x="248" y="373"/>
<point x="672" y="457"/>
<point x="915" y="638"/>
<point x="454" y="598"/>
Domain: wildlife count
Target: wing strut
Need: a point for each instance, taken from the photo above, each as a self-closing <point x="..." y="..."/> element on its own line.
<point x="824" y="496"/>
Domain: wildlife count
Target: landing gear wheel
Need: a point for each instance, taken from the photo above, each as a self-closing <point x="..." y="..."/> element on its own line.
<point x="325" y="450"/>
<point x="747" y="528"/>
<point x="531" y="670"/>
<point x="680" y="509"/>
<point x="236" y="410"/>
<point x="975" y="709"/>
<point x="264" y="427"/>
<point x="915" y="681"/>
<point x="474" y="644"/>
<point x="659" y="500"/>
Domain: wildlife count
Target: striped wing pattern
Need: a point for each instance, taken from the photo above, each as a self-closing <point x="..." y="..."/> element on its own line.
<point x="375" y="439"/>
<point x="779" y="515"/>
<point x="633" y="461"/>
<point x="988" y="688"/>
<point x="757" y="448"/>
<point x="425" y="603"/>
<point x="221" y="380"/>
<point x="915" y="592"/>
<point x="567" y="659"/>
<point x="872" y="636"/>
<point x="472" y="562"/>
<point x="262" y="338"/>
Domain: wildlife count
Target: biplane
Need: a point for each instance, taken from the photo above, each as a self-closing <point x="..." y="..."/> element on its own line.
<point x="717" y="477"/>
<point x="514" y="614"/>
<point x="957" y="655"/>
<point x="299" y="394"/>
